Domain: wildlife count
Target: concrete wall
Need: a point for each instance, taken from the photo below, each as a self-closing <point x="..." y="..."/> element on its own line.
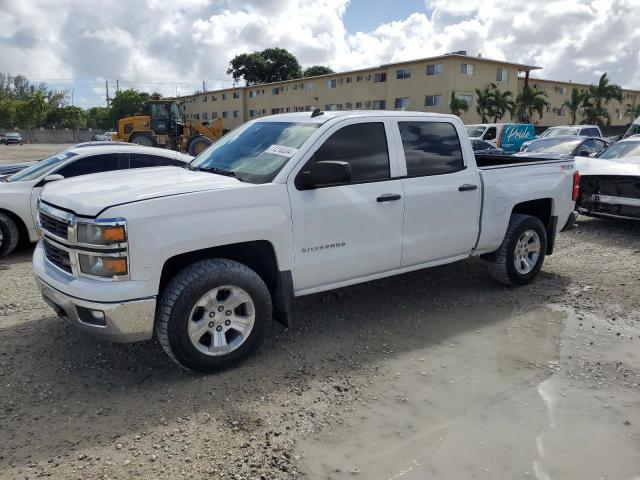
<point x="37" y="135"/>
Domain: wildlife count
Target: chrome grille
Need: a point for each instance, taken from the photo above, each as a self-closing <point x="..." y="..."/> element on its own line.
<point x="57" y="256"/>
<point x="54" y="226"/>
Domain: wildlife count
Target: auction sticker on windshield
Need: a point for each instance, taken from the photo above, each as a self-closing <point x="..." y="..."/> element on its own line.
<point x="282" y="150"/>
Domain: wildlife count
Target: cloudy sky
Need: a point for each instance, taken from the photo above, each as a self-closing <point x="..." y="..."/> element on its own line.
<point x="173" y="45"/>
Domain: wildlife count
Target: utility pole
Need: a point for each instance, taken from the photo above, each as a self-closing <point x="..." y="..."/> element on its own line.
<point x="72" y="97"/>
<point x="204" y="86"/>
<point x="117" y="85"/>
<point x="106" y="83"/>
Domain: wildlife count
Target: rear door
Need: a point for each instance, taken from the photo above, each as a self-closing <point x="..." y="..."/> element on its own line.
<point x="442" y="191"/>
<point x="353" y="230"/>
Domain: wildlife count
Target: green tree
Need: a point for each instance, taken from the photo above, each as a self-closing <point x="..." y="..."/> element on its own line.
<point x="24" y="115"/>
<point x="54" y="117"/>
<point x="316" y="70"/>
<point x="483" y="103"/>
<point x="458" y="105"/>
<point x="7" y="113"/>
<point x="39" y="105"/>
<point x="269" y="65"/>
<point x="99" y="117"/>
<point x="574" y="104"/>
<point x="128" y="103"/>
<point x="597" y="97"/>
<point x="530" y="101"/>
<point x="632" y="111"/>
<point x="72" y="117"/>
<point x="500" y="103"/>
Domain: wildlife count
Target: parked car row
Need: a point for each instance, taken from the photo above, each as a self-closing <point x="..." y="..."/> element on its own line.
<point x="11" y="138"/>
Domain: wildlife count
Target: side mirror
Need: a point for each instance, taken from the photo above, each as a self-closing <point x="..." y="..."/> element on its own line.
<point x="53" y="178"/>
<point x="326" y="172"/>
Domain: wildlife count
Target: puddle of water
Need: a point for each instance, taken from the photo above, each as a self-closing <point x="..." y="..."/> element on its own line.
<point x="490" y="401"/>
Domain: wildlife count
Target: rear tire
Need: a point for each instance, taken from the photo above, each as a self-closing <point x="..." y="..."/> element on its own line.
<point x="143" y="139"/>
<point x="9" y="235"/>
<point x="196" y="322"/>
<point x="522" y="253"/>
<point x="197" y="145"/>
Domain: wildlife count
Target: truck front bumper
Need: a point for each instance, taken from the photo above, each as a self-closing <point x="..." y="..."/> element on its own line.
<point x="129" y="321"/>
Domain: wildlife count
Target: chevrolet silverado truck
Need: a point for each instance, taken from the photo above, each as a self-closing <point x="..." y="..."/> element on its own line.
<point x="204" y="257"/>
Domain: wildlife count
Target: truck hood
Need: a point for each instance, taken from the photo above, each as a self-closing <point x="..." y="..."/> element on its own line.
<point x="596" y="166"/>
<point x="90" y="194"/>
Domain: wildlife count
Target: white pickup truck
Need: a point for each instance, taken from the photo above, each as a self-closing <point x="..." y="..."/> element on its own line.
<point x="281" y="207"/>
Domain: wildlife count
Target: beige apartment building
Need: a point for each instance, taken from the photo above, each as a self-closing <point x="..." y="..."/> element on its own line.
<point x="423" y="85"/>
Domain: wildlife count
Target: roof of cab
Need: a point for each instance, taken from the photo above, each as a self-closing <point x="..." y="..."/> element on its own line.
<point x="328" y="115"/>
<point x="125" y="147"/>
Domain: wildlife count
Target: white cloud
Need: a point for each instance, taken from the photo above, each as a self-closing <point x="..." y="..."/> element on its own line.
<point x="166" y="40"/>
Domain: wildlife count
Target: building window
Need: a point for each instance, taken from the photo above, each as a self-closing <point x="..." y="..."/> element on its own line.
<point x="332" y="83"/>
<point x="403" y="73"/>
<point x="379" y="104"/>
<point x="236" y="94"/>
<point x="502" y="75"/>
<point x="330" y="107"/>
<point x="275" y="91"/>
<point x="347" y="106"/>
<point x="225" y="114"/>
<point x="466" y="98"/>
<point x="467" y="68"/>
<point x="348" y="80"/>
<point x="310" y="87"/>
<point x="380" y="77"/>
<point x="205" y="116"/>
<point x="204" y="99"/>
<point x="214" y="115"/>
<point x="435" y="69"/>
<point x="264" y="111"/>
<point x="253" y="94"/>
<point x="561" y="90"/>
<point x="433" y="101"/>
<point x="358" y="104"/>
<point x="402" y="103"/>
<point x="254" y="113"/>
<point x="213" y="98"/>
<point x="223" y="96"/>
<point x="236" y="113"/>
<point x="359" y="78"/>
<point x="562" y="112"/>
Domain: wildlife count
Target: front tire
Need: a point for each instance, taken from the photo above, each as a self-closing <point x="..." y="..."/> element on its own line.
<point x="197" y="145"/>
<point x="212" y="315"/>
<point x="144" y="140"/>
<point x="522" y="253"/>
<point x="9" y="235"/>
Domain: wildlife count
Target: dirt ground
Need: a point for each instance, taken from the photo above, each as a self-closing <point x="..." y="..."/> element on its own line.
<point x="24" y="153"/>
<point x="440" y="373"/>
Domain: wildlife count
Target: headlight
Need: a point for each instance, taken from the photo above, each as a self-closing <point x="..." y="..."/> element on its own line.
<point x="96" y="234"/>
<point x="102" y="266"/>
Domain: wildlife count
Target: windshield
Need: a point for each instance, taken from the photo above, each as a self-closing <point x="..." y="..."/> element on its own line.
<point x="175" y="113"/>
<point x="557" y="132"/>
<point x="40" y="168"/>
<point x="554" y="145"/>
<point x="474" y="131"/>
<point x="622" y="149"/>
<point x="634" y="129"/>
<point x="255" y="152"/>
<point x="12" y="134"/>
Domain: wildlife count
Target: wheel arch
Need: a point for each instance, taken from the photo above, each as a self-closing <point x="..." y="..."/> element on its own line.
<point x="23" y="231"/>
<point x="258" y="255"/>
<point x="542" y="209"/>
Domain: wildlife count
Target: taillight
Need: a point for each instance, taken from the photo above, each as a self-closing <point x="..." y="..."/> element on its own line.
<point x="576" y="186"/>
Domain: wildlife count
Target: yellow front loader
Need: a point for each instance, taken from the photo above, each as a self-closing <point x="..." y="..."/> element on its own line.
<point x="164" y="128"/>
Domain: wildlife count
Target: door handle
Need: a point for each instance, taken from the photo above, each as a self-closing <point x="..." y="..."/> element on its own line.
<point x="388" y="197"/>
<point x="466" y="187"/>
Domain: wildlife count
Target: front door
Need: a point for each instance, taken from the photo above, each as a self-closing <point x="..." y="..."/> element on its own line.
<point x="348" y="231"/>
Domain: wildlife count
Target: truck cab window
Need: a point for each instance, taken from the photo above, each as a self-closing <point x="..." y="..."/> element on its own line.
<point x="363" y="146"/>
<point x="431" y="148"/>
<point x="139" y="160"/>
<point x="93" y="164"/>
<point x="490" y="134"/>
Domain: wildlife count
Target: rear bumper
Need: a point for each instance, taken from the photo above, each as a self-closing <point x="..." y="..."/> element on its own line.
<point x="127" y="321"/>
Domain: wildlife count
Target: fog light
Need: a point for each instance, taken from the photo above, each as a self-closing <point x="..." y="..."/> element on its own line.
<point x="92" y="317"/>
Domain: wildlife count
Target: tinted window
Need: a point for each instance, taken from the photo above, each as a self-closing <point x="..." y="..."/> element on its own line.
<point x="430" y="148"/>
<point x="491" y="133"/>
<point x="139" y="160"/>
<point x="363" y="146"/>
<point x="93" y="164"/>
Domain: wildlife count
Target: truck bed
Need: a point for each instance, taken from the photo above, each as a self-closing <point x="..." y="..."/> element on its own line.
<point x="491" y="161"/>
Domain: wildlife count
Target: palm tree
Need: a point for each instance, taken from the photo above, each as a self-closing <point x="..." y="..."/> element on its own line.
<point x="458" y="105"/>
<point x="597" y="97"/>
<point x="574" y="104"/>
<point x="632" y="111"/>
<point x="501" y="103"/>
<point x="530" y="101"/>
<point x="38" y="106"/>
<point x="483" y="103"/>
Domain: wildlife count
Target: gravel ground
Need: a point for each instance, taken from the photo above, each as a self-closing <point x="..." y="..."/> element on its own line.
<point x="389" y="379"/>
<point x="25" y="153"/>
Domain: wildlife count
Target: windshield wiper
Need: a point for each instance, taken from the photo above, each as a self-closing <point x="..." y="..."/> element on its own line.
<point x="218" y="171"/>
